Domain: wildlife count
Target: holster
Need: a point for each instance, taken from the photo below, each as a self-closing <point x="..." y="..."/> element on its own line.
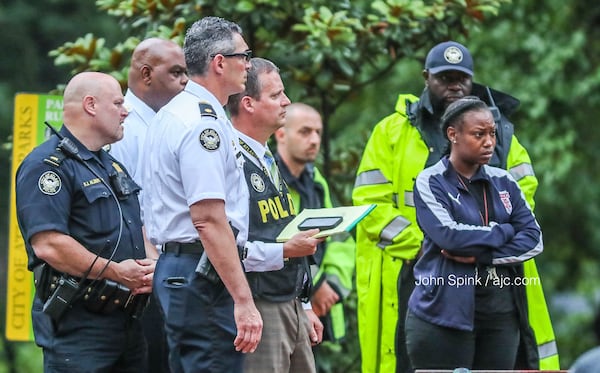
<point x="106" y="296"/>
<point x="45" y="279"/>
<point x="205" y="267"/>
<point x="206" y="270"/>
<point x="100" y="296"/>
<point x="57" y="291"/>
<point x="307" y="286"/>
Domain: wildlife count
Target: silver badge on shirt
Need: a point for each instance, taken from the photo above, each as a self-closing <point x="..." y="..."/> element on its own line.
<point x="49" y="183"/>
<point x="257" y="182"/>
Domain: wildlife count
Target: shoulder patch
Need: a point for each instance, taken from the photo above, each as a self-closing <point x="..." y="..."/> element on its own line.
<point x="206" y="110"/>
<point x="49" y="183"/>
<point x="209" y="139"/>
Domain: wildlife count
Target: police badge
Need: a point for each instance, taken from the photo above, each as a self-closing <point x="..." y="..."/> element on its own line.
<point x="257" y="182"/>
<point x="453" y="55"/>
<point x="49" y="183"/>
<point x="209" y="139"/>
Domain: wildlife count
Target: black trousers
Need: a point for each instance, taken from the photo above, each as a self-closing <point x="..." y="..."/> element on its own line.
<point x="153" y="325"/>
<point x="83" y="341"/>
<point x="406" y="284"/>
<point x="493" y="344"/>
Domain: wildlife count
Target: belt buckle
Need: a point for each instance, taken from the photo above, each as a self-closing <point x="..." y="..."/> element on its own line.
<point x="172" y="247"/>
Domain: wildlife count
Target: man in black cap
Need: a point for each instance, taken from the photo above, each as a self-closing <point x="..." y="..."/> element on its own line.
<point x="388" y="240"/>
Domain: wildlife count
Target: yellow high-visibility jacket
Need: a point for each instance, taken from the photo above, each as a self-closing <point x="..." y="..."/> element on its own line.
<point x="393" y="156"/>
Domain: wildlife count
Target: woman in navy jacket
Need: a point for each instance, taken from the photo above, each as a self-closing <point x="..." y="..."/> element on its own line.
<point x="467" y="309"/>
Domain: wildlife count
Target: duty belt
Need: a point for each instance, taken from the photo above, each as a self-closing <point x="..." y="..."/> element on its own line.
<point x="100" y="296"/>
<point x="178" y="248"/>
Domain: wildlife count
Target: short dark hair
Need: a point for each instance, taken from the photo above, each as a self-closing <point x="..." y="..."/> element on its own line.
<point x="253" y="89"/>
<point x="454" y="114"/>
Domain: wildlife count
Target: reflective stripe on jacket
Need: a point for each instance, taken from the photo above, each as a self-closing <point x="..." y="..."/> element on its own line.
<point x="448" y="212"/>
<point x="393" y="156"/>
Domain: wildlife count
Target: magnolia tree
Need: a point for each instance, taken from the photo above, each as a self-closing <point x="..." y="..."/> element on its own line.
<point x="325" y="49"/>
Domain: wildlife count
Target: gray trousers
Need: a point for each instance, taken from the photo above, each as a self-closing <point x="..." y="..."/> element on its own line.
<point x="285" y="345"/>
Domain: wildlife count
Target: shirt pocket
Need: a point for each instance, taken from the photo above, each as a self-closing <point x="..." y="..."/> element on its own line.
<point x="102" y="207"/>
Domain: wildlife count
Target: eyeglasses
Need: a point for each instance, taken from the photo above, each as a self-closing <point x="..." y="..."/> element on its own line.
<point x="247" y="55"/>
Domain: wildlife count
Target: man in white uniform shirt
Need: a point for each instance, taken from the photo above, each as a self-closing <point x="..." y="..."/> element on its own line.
<point x="196" y="207"/>
<point x="156" y="74"/>
<point x="288" y="334"/>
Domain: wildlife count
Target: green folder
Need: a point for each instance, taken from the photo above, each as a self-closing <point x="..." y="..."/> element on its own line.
<point x="350" y="216"/>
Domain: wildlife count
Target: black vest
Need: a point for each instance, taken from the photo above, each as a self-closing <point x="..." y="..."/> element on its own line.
<point x="270" y="211"/>
<point x="312" y="196"/>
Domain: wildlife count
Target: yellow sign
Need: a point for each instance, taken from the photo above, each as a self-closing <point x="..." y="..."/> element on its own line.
<point x="31" y="110"/>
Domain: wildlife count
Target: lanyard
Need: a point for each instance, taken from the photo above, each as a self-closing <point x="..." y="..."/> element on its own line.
<point x="485" y="215"/>
<point x="250" y="151"/>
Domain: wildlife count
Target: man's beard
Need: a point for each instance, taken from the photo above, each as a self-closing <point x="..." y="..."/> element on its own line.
<point x="439" y="105"/>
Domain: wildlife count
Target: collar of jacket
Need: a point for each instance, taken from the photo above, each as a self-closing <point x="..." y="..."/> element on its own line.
<point x="451" y="172"/>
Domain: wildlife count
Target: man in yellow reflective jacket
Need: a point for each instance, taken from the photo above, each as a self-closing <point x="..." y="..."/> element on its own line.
<point x="389" y="239"/>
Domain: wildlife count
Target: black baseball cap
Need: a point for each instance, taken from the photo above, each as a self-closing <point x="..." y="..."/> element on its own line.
<point x="449" y="55"/>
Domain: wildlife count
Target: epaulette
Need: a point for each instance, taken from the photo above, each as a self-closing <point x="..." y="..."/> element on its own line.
<point x="206" y="110"/>
<point x="56" y="158"/>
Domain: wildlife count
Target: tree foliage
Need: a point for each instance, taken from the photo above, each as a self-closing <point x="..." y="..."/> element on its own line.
<point x="351" y="59"/>
<point x="552" y="65"/>
<point x="326" y="50"/>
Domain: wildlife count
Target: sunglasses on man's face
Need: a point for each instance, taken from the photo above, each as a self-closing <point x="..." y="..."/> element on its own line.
<point x="247" y="55"/>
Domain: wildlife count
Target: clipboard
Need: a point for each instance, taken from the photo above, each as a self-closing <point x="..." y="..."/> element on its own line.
<point x="322" y="223"/>
<point x="339" y="219"/>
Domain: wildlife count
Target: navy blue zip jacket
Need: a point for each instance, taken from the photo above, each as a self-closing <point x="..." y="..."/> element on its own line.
<point x="451" y="220"/>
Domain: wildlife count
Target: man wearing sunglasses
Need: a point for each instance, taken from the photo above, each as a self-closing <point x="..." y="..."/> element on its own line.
<point x="196" y="207"/>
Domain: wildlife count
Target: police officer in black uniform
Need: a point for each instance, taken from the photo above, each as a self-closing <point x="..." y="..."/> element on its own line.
<point x="289" y="330"/>
<point x="79" y="215"/>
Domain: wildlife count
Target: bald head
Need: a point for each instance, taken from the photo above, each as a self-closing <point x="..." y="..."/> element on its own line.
<point x="85" y="84"/>
<point x="157" y="72"/>
<point x="299" y="140"/>
<point x="151" y="52"/>
<point x="298" y="109"/>
<point x="93" y="109"/>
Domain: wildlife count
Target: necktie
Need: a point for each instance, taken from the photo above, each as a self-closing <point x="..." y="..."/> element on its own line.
<point x="272" y="167"/>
